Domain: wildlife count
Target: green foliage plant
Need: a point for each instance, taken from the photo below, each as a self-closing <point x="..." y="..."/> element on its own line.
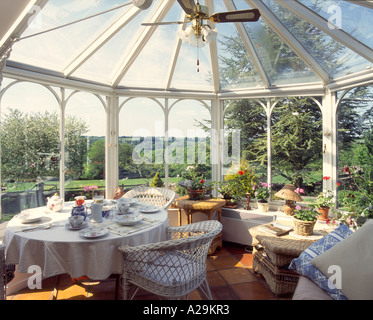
<point x="157" y="181"/>
<point x="307" y="214"/>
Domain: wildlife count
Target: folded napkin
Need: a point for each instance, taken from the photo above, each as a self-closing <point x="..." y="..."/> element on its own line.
<point x="123" y="230"/>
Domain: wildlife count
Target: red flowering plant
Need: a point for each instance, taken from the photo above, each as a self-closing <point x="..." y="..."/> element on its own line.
<point x="326" y="198"/>
<point x="356" y="202"/>
<point x="240" y="183"/>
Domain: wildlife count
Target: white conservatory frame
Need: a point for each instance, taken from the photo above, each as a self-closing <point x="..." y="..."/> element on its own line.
<point x="110" y="95"/>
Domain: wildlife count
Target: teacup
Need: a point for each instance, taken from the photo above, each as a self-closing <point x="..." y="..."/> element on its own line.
<point x="76" y="221"/>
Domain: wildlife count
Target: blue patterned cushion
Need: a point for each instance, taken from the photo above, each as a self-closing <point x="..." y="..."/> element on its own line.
<point x="303" y="265"/>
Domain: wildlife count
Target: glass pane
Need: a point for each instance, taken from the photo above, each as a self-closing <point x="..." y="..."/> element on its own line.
<point x="29" y="133"/>
<point x="355" y="148"/>
<point x="85" y="129"/>
<point x="296" y="138"/>
<point x="104" y="63"/>
<point x="249" y="118"/>
<point x="189" y="142"/>
<point x="354" y="19"/>
<point x="151" y="67"/>
<point x="141" y="142"/>
<point x="333" y="56"/>
<point x="53" y="50"/>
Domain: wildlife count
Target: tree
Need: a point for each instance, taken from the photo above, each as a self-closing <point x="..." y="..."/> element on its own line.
<point x="30" y="145"/>
<point x="157" y="181"/>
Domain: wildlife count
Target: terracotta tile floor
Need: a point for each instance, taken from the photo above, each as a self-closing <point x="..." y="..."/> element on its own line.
<point x="229" y="274"/>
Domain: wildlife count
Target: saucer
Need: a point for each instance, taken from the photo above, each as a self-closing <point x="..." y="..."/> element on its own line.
<point x="70" y="227"/>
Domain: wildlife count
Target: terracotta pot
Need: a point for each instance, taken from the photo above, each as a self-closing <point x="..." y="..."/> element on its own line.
<point x="324" y="213"/>
<point x="196" y="194"/>
<point x="303" y="228"/>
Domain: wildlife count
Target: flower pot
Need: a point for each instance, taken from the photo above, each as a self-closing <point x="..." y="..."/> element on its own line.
<point x="324" y="213"/>
<point x="303" y="228"/>
<point x="195" y="194"/>
<point x="263" y="206"/>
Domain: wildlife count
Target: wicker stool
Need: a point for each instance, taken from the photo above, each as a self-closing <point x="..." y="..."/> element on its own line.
<point x="272" y="256"/>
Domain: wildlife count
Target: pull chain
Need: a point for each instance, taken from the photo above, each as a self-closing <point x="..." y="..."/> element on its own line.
<point x="197" y="58"/>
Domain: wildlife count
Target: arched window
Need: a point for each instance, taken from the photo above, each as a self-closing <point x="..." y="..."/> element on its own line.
<point x="355" y="146"/>
<point x="30" y="145"/>
<point x="246" y="120"/>
<point x="296" y="144"/>
<point x="85" y="130"/>
<point x="189" y="135"/>
<point x="141" y="141"/>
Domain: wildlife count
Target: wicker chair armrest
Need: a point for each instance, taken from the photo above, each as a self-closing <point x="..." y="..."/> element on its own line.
<point x="180" y="236"/>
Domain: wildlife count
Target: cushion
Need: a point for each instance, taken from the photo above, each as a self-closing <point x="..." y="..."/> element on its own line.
<point x="308" y="290"/>
<point x="303" y="264"/>
<point x="354" y="257"/>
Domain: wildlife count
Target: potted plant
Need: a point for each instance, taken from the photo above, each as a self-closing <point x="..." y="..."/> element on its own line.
<point x="195" y="184"/>
<point x="195" y="188"/>
<point x="324" y="202"/>
<point x="304" y="220"/>
<point x="246" y="179"/>
<point x="262" y="193"/>
<point x="229" y="190"/>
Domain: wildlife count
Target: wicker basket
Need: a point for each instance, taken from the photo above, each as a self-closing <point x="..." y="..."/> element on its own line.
<point x="216" y="242"/>
<point x="303" y="228"/>
<point x="279" y="280"/>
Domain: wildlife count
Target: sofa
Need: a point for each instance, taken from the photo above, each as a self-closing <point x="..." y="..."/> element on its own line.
<point x="337" y="267"/>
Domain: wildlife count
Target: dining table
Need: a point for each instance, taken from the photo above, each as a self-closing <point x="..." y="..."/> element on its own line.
<point x="51" y="243"/>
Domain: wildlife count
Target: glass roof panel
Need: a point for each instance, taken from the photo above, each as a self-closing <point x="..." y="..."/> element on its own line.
<point x="236" y="68"/>
<point x="186" y="75"/>
<point x="271" y="62"/>
<point x="103" y="64"/>
<point x="332" y="55"/>
<point x="354" y="19"/>
<point x="280" y="62"/>
<point x="151" y="67"/>
<point x="54" y="49"/>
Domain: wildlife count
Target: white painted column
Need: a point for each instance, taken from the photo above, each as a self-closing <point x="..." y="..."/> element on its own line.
<point x="217" y="115"/>
<point x="329" y="149"/>
<point x="111" y="145"/>
<point x="269" y="141"/>
<point x="62" y="142"/>
<point x="166" y="128"/>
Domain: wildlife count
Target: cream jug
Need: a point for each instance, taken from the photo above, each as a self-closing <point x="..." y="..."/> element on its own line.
<point x="96" y="212"/>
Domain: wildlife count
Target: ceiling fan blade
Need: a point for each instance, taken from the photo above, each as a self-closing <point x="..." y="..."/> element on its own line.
<point x="187" y="5"/>
<point x="162" y="23"/>
<point x="236" y="16"/>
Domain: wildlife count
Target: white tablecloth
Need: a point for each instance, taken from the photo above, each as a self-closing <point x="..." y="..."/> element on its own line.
<point x="58" y="250"/>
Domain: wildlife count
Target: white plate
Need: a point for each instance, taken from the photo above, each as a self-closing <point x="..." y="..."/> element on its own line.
<point x="149" y="209"/>
<point x="29" y="217"/>
<point x="82" y="226"/>
<point x="127" y="220"/>
<point x="93" y="232"/>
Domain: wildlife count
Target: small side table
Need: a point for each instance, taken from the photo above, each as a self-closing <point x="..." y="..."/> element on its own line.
<point x="207" y="206"/>
<point x="272" y="256"/>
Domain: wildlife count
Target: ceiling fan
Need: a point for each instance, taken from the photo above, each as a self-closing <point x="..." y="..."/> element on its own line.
<point x="197" y="13"/>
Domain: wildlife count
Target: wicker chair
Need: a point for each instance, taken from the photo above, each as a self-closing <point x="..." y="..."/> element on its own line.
<point x="160" y="197"/>
<point x="172" y="268"/>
